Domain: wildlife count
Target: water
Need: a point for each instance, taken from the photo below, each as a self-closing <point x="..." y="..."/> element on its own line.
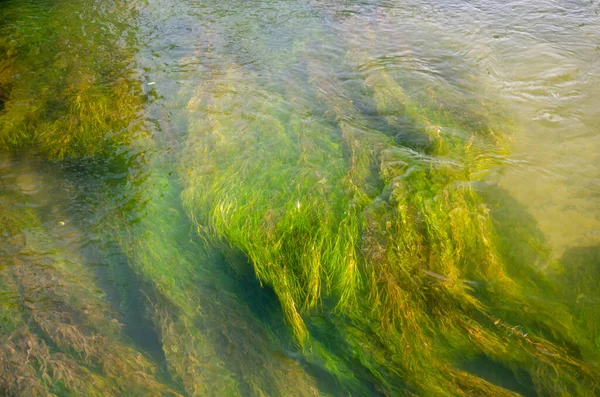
<point x="279" y="198"/>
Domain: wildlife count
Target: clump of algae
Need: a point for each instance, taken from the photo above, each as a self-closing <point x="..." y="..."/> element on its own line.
<point x="58" y="335"/>
<point x="283" y="182"/>
<point x="392" y="246"/>
<point x="577" y="279"/>
<point x="213" y="344"/>
<point x="65" y="80"/>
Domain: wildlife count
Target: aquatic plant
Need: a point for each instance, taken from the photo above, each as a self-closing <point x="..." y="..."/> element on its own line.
<point x="213" y="344"/>
<point x="429" y="223"/>
<point x="365" y="220"/>
<point x="289" y="187"/>
<point x="393" y="245"/>
<point x="576" y="278"/>
<point x="58" y="335"/>
<point x="66" y="93"/>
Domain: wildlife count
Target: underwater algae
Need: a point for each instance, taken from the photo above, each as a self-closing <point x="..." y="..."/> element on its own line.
<point x="212" y="343"/>
<point x="58" y="335"/>
<point x="60" y="99"/>
<point x="65" y="78"/>
<point x="387" y="249"/>
<point x="369" y="227"/>
<point x="577" y="276"/>
<point x="453" y="241"/>
<point x="223" y="127"/>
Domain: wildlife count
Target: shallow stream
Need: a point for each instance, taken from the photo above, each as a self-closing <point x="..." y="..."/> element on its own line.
<point x="299" y="198"/>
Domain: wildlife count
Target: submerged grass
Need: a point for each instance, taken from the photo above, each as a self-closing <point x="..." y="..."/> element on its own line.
<point x="213" y="344"/>
<point x="58" y="335"/>
<point x="57" y="93"/>
<point x="577" y="279"/>
<point x="387" y="265"/>
<point x="284" y="183"/>
<point x="393" y="245"/>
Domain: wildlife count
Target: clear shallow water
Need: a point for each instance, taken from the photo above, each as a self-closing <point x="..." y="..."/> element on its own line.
<point x="300" y="198"/>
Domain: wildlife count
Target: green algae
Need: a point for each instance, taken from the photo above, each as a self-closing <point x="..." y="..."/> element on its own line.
<point x="394" y="245"/>
<point x="286" y="183"/>
<point x="58" y="334"/>
<point x="212" y="343"/>
<point x="576" y="277"/>
<point x="66" y="85"/>
<point x="439" y="229"/>
<point x="392" y="270"/>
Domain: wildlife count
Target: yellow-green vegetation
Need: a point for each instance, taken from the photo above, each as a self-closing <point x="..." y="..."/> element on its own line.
<point x="386" y="250"/>
<point x="65" y="78"/>
<point x="577" y="280"/>
<point x="262" y="167"/>
<point x="327" y="227"/>
<point x="433" y="272"/>
<point x="213" y="344"/>
<point x="58" y="335"/>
